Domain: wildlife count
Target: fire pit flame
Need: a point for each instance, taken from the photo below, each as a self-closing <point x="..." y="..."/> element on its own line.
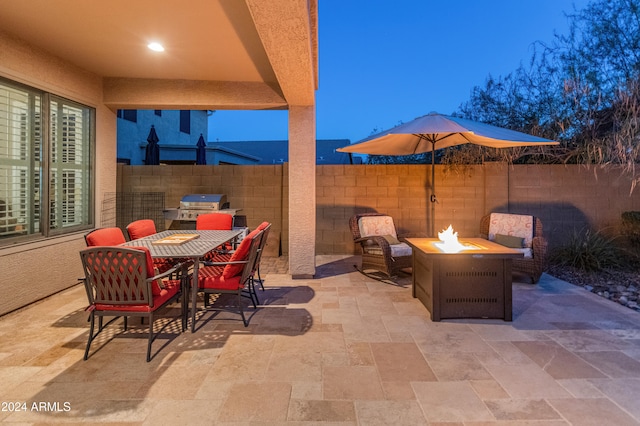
<point x="450" y="243"/>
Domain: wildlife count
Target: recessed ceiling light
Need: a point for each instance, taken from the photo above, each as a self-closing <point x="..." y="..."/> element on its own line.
<point x="156" y="47"/>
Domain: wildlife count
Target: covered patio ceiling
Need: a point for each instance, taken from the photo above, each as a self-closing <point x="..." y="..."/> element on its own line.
<point x="219" y="54"/>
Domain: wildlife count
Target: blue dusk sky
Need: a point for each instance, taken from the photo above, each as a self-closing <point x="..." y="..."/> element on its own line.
<point x="384" y="62"/>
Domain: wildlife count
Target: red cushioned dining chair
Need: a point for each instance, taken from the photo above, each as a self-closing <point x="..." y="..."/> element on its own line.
<point x="105" y="237"/>
<point x="215" y="222"/>
<point x="225" y="257"/>
<point x="120" y="281"/>
<point x="143" y="228"/>
<point x="265" y="227"/>
<point x="232" y="276"/>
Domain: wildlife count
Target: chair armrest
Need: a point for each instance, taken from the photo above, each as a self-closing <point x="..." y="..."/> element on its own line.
<point x="361" y="240"/>
<point x="539" y="247"/>
<point x="235" y="262"/>
<point x="379" y="241"/>
<point x="175" y="268"/>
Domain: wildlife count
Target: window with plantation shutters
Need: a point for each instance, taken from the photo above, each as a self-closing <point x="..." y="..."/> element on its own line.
<point x="45" y="164"/>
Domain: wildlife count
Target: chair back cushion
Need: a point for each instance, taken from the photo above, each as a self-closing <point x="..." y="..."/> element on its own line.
<point x="376" y="225"/>
<point x="516" y="225"/>
<point x="105" y="237"/>
<point x="241" y="253"/>
<point x="141" y="228"/>
<point x="214" y="221"/>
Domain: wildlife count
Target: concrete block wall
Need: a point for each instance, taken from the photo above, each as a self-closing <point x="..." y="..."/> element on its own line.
<point x="257" y="190"/>
<point x="572" y="198"/>
<point x="563" y="197"/>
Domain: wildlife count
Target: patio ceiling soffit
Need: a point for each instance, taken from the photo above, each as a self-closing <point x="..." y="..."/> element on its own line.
<point x="138" y="93"/>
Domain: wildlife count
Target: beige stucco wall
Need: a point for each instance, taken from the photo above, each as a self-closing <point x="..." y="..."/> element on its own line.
<point x="302" y="191"/>
<point x="40" y="268"/>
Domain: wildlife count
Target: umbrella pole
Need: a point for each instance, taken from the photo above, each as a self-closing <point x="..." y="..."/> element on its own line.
<point x="433" y="198"/>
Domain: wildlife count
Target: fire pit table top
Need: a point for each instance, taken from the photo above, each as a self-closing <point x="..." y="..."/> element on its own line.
<point x="473" y="247"/>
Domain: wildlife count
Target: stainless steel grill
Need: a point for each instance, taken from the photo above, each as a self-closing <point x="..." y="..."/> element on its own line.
<point x="192" y="205"/>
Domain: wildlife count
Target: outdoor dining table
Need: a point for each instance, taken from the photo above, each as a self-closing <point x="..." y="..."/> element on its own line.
<point x="194" y="249"/>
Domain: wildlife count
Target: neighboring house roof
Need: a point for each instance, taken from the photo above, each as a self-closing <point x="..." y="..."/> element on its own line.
<point x="277" y="151"/>
<point x="187" y="152"/>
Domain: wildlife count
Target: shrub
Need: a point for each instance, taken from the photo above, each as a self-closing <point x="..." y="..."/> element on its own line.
<point x="631" y="227"/>
<point x="589" y="251"/>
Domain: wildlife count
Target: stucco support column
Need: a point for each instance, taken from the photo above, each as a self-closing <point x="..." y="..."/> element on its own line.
<point x="302" y="191"/>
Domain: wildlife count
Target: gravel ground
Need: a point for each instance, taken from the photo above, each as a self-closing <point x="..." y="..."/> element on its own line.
<point x="622" y="287"/>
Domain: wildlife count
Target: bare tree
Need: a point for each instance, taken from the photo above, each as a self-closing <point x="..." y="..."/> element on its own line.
<point x="582" y="90"/>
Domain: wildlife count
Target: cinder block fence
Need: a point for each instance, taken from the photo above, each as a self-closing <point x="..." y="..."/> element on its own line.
<point x="566" y="198"/>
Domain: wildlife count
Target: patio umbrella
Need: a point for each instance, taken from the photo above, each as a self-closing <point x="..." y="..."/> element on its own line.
<point x="201" y="152"/>
<point x="436" y="131"/>
<point x="152" y="153"/>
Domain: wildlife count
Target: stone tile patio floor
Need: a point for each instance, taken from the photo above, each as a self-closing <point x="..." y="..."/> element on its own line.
<point x="340" y="349"/>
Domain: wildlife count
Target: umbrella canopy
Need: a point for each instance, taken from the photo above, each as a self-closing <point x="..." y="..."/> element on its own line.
<point x="201" y="151"/>
<point x="436" y="131"/>
<point x="152" y="152"/>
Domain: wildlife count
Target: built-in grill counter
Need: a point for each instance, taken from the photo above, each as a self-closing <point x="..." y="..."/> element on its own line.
<point x="192" y="205"/>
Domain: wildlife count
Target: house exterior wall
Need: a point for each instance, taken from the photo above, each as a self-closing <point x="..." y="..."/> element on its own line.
<point x="31" y="271"/>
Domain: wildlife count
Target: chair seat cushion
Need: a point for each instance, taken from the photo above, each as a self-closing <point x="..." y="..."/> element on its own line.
<point x="397" y="250"/>
<point x="171" y="287"/>
<point x="528" y="252"/>
<point x="163" y="264"/>
<point x="212" y="277"/>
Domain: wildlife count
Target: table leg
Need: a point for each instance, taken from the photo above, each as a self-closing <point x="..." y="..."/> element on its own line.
<point x="194" y="293"/>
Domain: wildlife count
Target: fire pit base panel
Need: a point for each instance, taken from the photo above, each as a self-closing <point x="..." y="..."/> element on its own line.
<point x="464" y="288"/>
<point x="462" y="285"/>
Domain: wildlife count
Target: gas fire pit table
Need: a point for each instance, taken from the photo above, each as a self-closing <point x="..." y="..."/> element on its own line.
<point x="472" y="282"/>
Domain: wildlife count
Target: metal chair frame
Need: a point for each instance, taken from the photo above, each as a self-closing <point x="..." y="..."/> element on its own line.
<point x="117" y="276"/>
<point x="246" y="276"/>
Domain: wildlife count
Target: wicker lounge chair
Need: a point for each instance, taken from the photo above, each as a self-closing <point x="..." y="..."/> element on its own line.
<point x="380" y="252"/>
<point x="534" y="243"/>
